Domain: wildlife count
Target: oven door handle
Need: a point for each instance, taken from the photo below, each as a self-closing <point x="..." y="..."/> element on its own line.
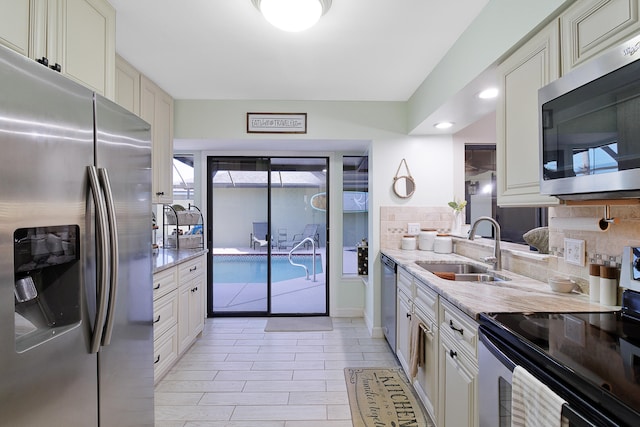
<point x="575" y="418"/>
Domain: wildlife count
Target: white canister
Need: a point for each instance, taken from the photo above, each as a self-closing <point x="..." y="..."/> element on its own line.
<point x="443" y="244"/>
<point x="608" y="285"/>
<point x="594" y="282"/>
<point x="426" y="238"/>
<point x="408" y="243"/>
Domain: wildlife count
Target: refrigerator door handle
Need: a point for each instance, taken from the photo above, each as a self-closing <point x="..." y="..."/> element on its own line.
<point x="101" y="251"/>
<point x="113" y="254"/>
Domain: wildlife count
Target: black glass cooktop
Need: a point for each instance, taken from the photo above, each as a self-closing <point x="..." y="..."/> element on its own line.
<point x="595" y="354"/>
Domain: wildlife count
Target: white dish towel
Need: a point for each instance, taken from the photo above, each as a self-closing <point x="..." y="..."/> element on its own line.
<point x="533" y="404"/>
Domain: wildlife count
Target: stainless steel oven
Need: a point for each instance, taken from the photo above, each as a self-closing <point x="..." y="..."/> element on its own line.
<point x="588" y="359"/>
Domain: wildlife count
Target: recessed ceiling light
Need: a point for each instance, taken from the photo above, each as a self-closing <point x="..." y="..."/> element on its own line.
<point x="443" y="125"/>
<point x="490" y="93"/>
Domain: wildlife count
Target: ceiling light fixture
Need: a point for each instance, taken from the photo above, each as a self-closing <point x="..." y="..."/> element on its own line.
<point x="443" y="125"/>
<point x="292" y="15"/>
<point x="489" y="93"/>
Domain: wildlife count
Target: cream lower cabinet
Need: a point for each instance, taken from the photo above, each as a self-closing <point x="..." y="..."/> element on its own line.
<point x="178" y="311"/>
<point x="191" y="279"/>
<point x="425" y="308"/>
<point x="404" y="310"/>
<point x="76" y="35"/>
<point x="404" y="313"/>
<point x="531" y="67"/>
<point x="165" y="320"/>
<point x="458" y="366"/>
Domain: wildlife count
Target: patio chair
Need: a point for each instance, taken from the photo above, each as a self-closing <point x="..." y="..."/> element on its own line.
<point x="282" y="238"/>
<point x="310" y="230"/>
<point x="259" y="236"/>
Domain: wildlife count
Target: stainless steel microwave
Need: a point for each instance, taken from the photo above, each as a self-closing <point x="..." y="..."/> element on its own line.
<point x="589" y="124"/>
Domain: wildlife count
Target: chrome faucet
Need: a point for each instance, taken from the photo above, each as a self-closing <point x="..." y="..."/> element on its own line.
<point x="496" y="259"/>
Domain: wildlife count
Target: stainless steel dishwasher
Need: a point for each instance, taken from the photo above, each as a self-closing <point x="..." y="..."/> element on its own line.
<point x="388" y="299"/>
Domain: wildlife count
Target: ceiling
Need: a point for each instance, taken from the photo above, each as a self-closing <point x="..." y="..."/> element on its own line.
<point x="361" y="50"/>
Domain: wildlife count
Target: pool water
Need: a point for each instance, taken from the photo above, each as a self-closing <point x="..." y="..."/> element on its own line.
<point x="253" y="268"/>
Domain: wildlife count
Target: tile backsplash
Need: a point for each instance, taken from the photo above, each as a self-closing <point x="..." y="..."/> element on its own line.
<point x="600" y="247"/>
<point x="394" y="220"/>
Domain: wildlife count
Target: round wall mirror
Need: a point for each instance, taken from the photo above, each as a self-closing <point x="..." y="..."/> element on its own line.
<point x="404" y="186"/>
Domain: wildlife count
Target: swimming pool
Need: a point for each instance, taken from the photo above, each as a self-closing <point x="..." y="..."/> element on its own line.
<point x="253" y="268"/>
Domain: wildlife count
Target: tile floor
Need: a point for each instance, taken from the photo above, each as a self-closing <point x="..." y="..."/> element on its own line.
<point x="237" y="375"/>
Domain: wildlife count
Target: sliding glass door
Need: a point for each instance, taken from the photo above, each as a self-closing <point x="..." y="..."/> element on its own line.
<point x="267" y="236"/>
<point x="298" y="220"/>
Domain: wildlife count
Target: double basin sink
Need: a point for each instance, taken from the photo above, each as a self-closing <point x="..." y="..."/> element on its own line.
<point x="461" y="271"/>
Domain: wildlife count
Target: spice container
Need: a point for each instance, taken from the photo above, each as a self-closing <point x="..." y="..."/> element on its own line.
<point x="608" y="285"/>
<point x="594" y="282"/>
<point x="426" y="238"/>
<point x="443" y="244"/>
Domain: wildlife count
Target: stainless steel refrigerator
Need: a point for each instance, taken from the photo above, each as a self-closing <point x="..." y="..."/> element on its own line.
<point x="76" y="304"/>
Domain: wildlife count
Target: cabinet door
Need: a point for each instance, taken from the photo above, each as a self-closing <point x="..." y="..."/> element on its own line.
<point x="156" y="107"/>
<point x="589" y="27"/>
<point x="458" y="388"/>
<point x="196" y="307"/>
<point x="403" y="325"/>
<point x="86" y="43"/>
<point x="14" y="25"/>
<point x="532" y="66"/>
<point x="127" y="92"/>
<point x="184" y="306"/>
<point x="426" y="382"/>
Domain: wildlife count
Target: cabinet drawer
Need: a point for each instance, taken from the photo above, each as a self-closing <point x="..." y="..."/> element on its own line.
<point x="190" y="269"/>
<point x="427" y="301"/>
<point x="165" y="313"/>
<point x="404" y="297"/>
<point x="165" y="352"/>
<point x="460" y="327"/>
<point x="405" y="281"/>
<point x="164" y="282"/>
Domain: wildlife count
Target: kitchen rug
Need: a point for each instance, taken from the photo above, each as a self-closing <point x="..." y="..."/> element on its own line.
<point x="299" y="324"/>
<point x="382" y="397"/>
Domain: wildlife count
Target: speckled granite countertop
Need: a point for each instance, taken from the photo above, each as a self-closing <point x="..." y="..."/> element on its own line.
<point x="167" y="258"/>
<point x="519" y="294"/>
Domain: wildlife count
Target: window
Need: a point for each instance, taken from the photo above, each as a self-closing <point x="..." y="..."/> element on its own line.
<point x="355" y="210"/>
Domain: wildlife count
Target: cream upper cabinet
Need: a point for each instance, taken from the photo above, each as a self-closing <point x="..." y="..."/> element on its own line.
<point x="77" y="37"/>
<point x="532" y="66"/>
<point x="156" y="107"/>
<point x="14" y="25"/>
<point x="589" y="27"/>
<point x="127" y="91"/>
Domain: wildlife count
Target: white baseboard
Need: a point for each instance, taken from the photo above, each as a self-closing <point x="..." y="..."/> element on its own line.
<point x="347" y="312"/>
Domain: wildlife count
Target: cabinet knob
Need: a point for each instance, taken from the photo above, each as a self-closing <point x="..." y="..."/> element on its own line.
<point x="157" y="360"/>
<point x="456" y="329"/>
<point x="160" y="193"/>
<point x="193" y="269"/>
<point x="44" y="61"/>
<point x="156" y="287"/>
<point x="157" y="320"/>
<point x="56" y="67"/>
<point x="453" y="353"/>
<point x="409" y="315"/>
